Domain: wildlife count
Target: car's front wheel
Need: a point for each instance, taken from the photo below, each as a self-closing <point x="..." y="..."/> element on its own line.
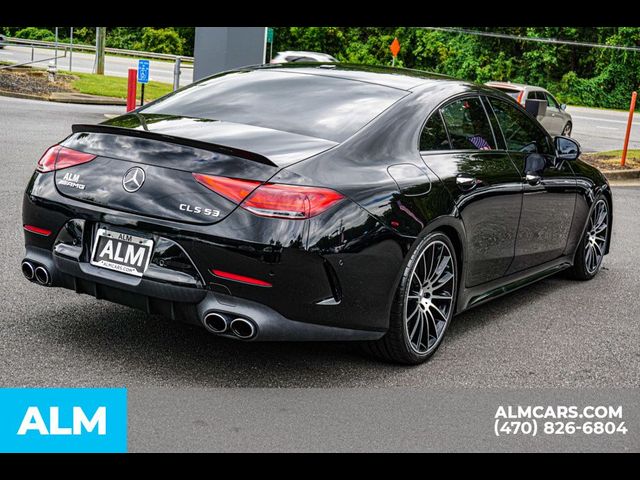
<point x="566" y="131"/>
<point x="424" y="303"/>
<point x="591" y="249"/>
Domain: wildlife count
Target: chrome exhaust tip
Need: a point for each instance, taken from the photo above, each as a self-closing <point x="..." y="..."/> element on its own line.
<point x="28" y="270"/>
<point x="243" y="328"/>
<point x="215" y="322"/>
<point x="42" y="276"/>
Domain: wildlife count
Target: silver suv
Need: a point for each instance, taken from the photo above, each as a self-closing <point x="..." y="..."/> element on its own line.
<point x="556" y="120"/>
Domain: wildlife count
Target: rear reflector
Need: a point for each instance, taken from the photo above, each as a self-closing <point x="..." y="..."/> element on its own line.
<point x="57" y="158"/>
<point x="294" y="202"/>
<point x="240" y="278"/>
<point x="37" y="230"/>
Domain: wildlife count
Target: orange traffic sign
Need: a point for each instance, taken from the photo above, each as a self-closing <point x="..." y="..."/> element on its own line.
<point x="395" y="47"/>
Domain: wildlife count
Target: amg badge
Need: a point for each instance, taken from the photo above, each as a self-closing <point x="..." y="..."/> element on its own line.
<point x="72" y="180"/>
<point x="209" y="212"/>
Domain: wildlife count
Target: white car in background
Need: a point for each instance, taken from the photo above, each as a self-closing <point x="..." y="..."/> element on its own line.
<point x="294" y="56"/>
<point x="556" y="120"/>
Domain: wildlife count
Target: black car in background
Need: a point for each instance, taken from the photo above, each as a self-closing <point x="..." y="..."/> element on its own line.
<point x="316" y="202"/>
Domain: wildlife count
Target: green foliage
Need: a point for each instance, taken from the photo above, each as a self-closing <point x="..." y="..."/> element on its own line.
<point x="160" y="40"/>
<point x="35" y="33"/>
<point x="86" y="35"/>
<point x="578" y="75"/>
<point x="123" y="37"/>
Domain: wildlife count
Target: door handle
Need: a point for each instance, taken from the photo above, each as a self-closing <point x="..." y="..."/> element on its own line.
<point x="532" y="179"/>
<point x="465" y="182"/>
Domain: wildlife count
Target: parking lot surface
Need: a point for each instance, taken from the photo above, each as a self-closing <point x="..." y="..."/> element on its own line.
<point x="556" y="333"/>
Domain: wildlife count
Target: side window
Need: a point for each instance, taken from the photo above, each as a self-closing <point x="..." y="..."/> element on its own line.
<point x="434" y="136"/>
<point x="551" y="102"/>
<point x="532" y="96"/>
<point x="520" y="132"/>
<point x="468" y="125"/>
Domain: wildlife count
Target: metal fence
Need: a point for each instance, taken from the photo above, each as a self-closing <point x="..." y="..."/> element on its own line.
<point x="180" y="61"/>
<point x="92" y="48"/>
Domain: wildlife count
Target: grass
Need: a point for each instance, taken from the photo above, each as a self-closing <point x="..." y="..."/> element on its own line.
<point x="610" y="160"/>
<point x="116" y="86"/>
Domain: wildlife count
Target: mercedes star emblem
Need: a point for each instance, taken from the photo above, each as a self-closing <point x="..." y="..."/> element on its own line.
<point x="133" y="179"/>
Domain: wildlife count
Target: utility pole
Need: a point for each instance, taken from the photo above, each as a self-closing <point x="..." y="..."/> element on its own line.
<point x="101" y="33"/>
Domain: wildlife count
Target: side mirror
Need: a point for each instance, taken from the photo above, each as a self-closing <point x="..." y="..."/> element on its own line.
<point x="537" y="108"/>
<point x="563" y="106"/>
<point x="566" y="148"/>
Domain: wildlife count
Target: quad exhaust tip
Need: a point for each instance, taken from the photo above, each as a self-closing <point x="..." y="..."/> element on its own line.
<point x="243" y="328"/>
<point x="215" y="323"/>
<point x="28" y="270"/>
<point x="42" y="276"/>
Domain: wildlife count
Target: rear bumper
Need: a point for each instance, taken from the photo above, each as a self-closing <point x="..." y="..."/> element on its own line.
<point x="184" y="304"/>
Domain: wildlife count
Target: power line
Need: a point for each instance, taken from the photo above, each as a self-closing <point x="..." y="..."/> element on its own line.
<point x="533" y="39"/>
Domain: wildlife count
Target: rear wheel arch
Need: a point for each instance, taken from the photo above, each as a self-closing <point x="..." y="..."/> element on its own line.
<point x="453" y="228"/>
<point x="606" y="192"/>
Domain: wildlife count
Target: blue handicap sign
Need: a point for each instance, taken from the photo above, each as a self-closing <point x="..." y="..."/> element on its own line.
<point x="143" y="71"/>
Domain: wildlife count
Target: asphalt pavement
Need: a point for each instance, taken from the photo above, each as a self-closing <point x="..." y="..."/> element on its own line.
<point x="160" y="71"/>
<point x="555" y="334"/>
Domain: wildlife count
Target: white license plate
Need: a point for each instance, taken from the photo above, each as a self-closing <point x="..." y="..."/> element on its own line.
<point x="121" y="252"/>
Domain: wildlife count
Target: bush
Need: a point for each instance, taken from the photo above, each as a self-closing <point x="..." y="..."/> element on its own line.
<point x="35" y="33"/>
<point x="160" y="40"/>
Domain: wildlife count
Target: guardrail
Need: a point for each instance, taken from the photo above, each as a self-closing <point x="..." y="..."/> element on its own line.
<point x="179" y="60"/>
<point x="92" y="48"/>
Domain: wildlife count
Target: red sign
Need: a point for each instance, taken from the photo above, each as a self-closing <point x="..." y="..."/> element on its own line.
<point x="395" y="47"/>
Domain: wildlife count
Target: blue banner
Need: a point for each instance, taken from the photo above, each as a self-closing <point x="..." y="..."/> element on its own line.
<point x="63" y="420"/>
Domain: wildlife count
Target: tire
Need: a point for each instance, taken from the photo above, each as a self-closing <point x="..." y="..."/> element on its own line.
<point x="585" y="264"/>
<point x="424" y="274"/>
<point x="566" y="131"/>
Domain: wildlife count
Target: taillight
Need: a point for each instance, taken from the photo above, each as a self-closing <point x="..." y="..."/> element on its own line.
<point x="58" y="157"/>
<point x="230" y="188"/>
<point x="272" y="199"/>
<point x="519" y="100"/>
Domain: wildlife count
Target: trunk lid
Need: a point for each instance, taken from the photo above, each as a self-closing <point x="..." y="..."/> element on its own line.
<point x="144" y="163"/>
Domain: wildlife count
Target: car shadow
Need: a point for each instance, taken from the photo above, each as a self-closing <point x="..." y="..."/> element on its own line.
<point x="133" y="348"/>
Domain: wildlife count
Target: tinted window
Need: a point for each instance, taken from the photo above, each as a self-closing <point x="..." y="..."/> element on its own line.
<point x="314" y="105"/>
<point x="468" y="125"/>
<point x="300" y="59"/>
<point x="520" y="132"/>
<point x="434" y="136"/>
<point x="537" y="95"/>
<point x="551" y="102"/>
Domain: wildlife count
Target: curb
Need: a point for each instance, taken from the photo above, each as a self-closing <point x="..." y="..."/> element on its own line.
<point x="83" y="98"/>
<point x="621" y="174"/>
<point x="63" y="97"/>
<point x="29" y="96"/>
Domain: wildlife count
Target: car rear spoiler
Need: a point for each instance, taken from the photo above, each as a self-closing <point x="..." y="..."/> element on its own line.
<point x="212" y="147"/>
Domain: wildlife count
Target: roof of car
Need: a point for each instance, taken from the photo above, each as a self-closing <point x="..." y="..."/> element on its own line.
<point x="401" y="78"/>
<point x="302" y="52"/>
<point x="516" y="86"/>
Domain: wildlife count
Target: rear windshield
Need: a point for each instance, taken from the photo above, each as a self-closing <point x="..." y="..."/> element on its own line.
<point x="510" y="91"/>
<point x="313" y="105"/>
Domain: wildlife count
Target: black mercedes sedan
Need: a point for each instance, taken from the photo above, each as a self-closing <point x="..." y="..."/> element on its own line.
<point x="316" y="202"/>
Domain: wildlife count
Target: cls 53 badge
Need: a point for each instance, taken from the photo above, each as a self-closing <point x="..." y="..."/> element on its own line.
<point x="209" y="212"/>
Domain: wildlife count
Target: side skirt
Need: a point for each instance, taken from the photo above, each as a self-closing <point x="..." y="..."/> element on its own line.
<point x="471" y="297"/>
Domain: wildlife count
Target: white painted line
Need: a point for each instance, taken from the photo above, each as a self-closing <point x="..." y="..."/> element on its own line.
<point x="607" y="128"/>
